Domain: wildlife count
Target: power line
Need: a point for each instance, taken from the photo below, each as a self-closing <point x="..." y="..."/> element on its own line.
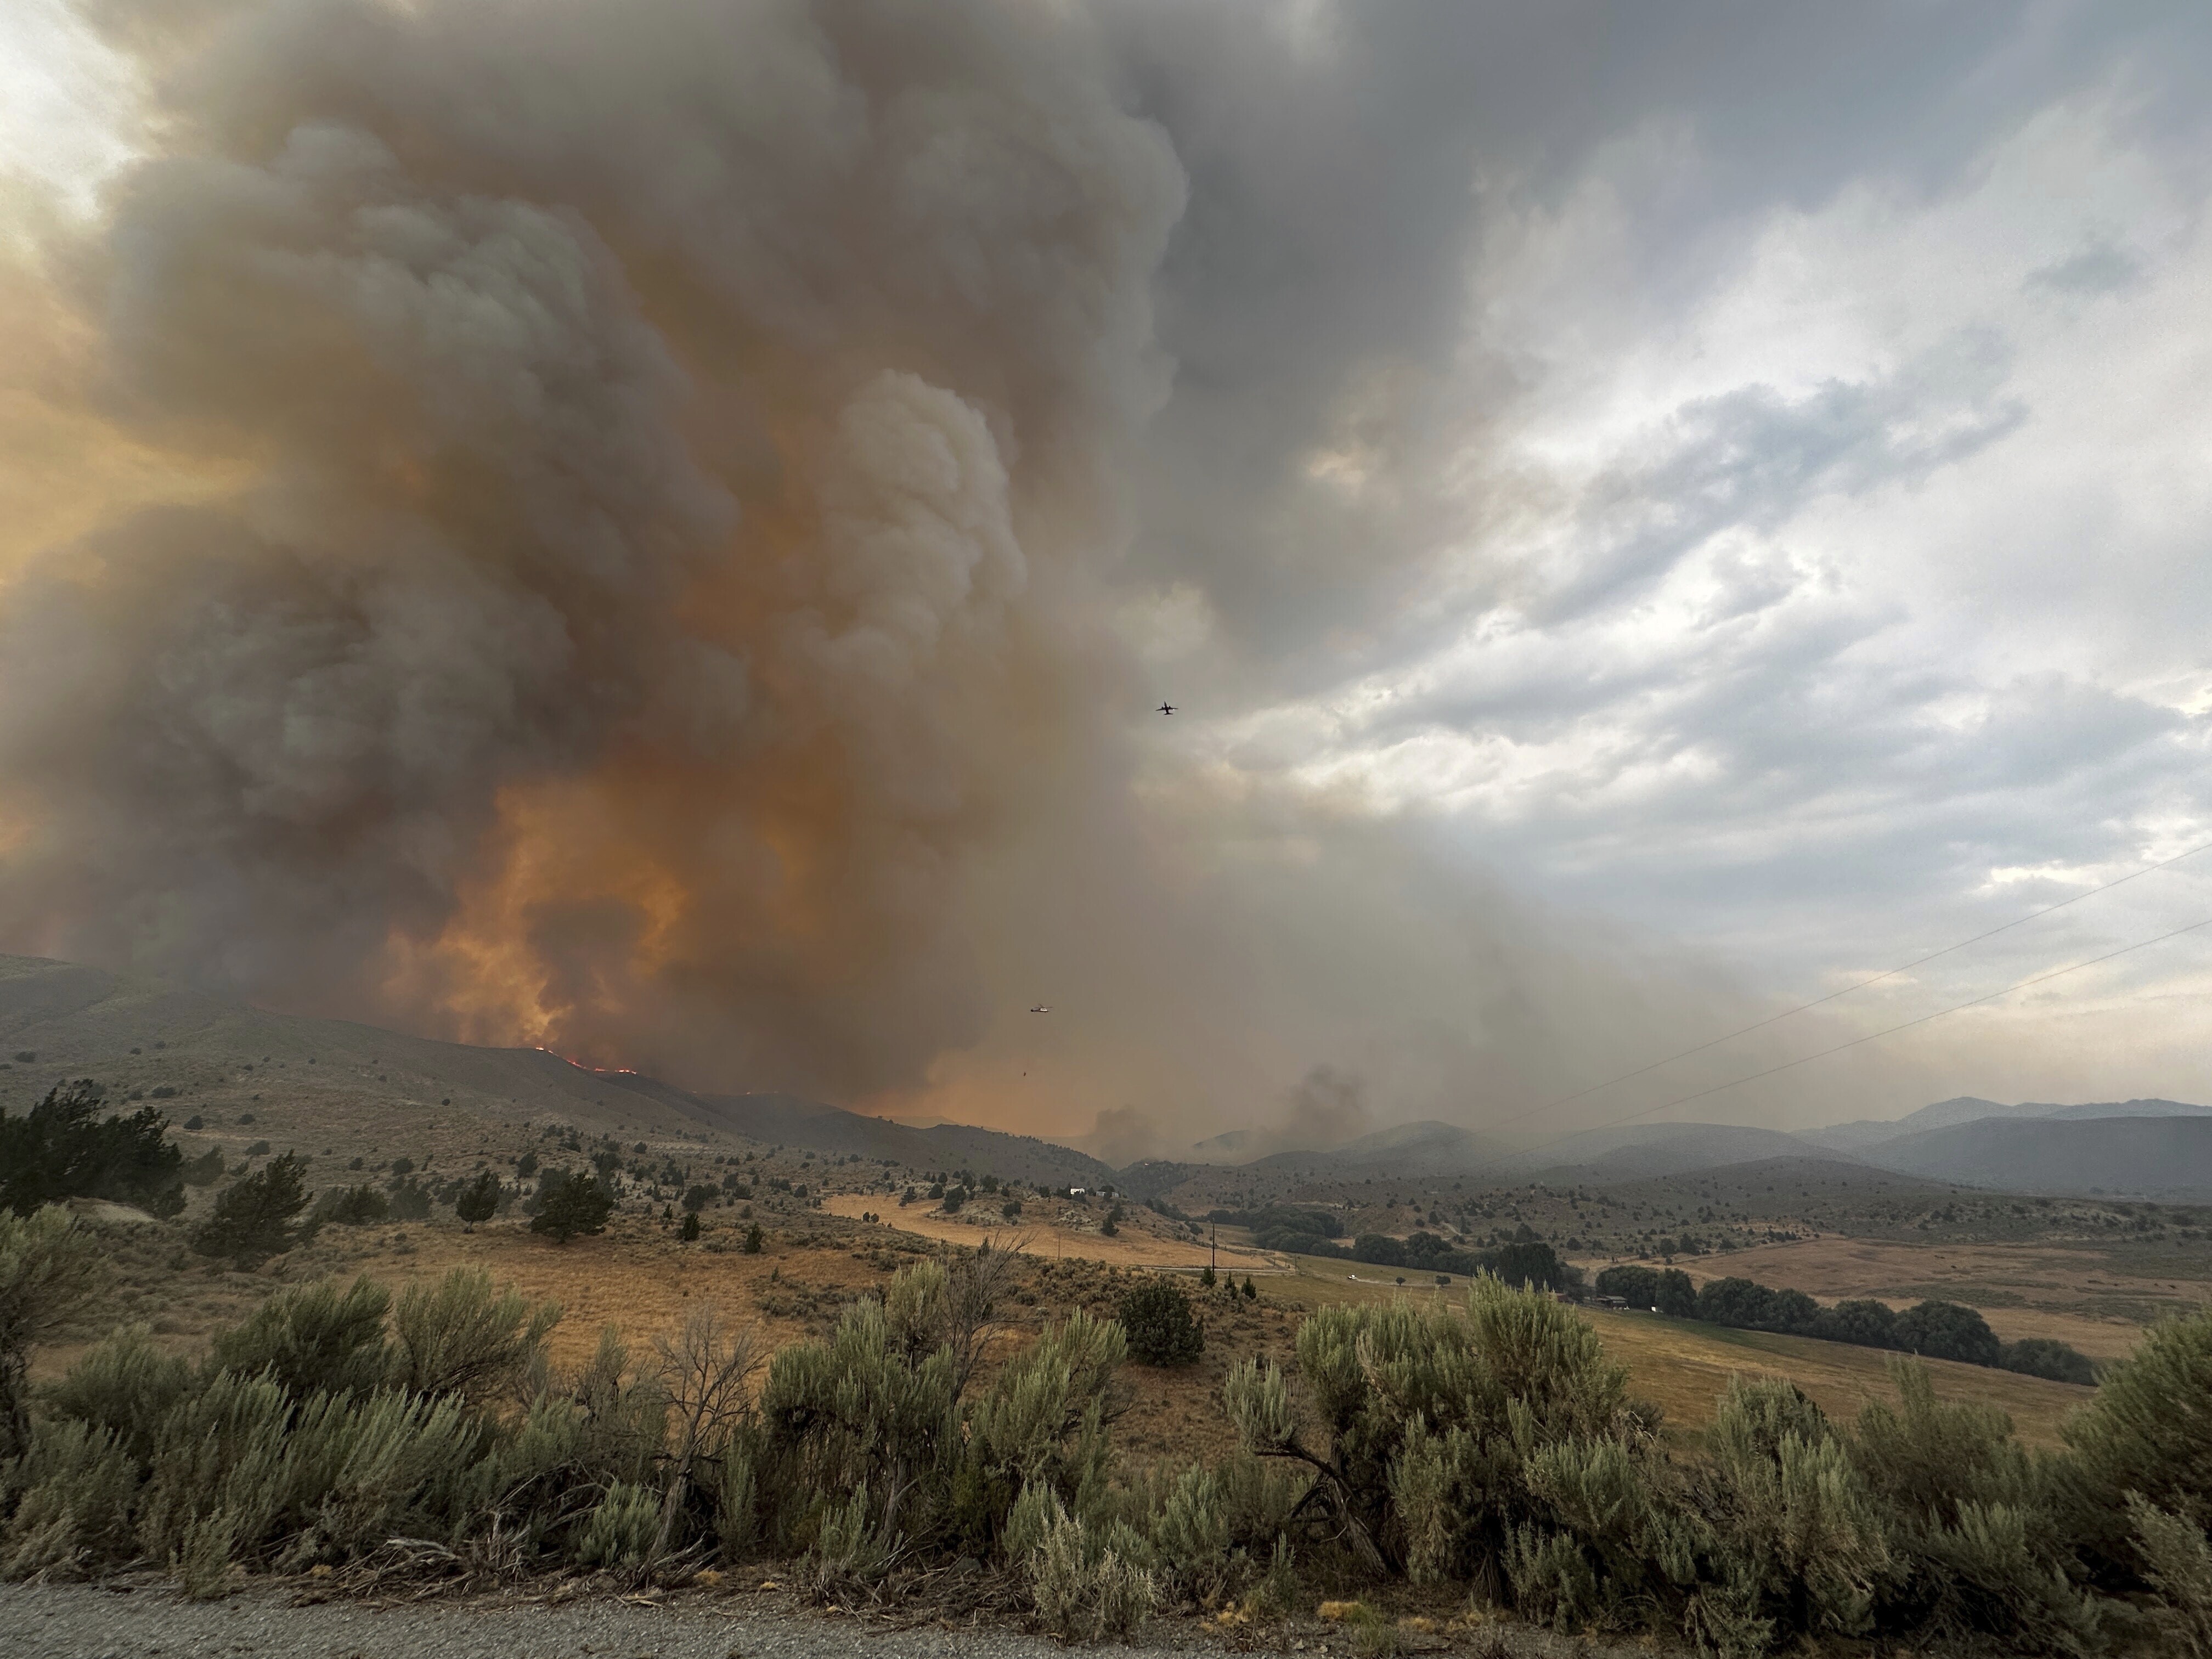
<point x="1802" y="1060"/>
<point x="1903" y="968"/>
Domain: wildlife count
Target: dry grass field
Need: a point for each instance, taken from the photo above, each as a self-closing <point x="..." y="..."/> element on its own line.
<point x="1684" y="1366"/>
<point x="2096" y="1299"/>
<point x="1045" y="1231"/>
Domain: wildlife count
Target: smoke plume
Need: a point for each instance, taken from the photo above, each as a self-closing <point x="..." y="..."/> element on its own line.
<point x="632" y="503"/>
<point x="679" y="438"/>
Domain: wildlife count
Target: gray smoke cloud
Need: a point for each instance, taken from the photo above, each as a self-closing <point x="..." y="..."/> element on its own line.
<point x="701" y="493"/>
<point x="678" y="437"/>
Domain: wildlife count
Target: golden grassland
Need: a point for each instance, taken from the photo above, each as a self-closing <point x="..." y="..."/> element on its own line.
<point x="639" y="1279"/>
<point x="1046" y="1228"/>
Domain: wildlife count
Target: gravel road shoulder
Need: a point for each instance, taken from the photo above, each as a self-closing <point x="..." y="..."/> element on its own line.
<point x="145" y="1620"/>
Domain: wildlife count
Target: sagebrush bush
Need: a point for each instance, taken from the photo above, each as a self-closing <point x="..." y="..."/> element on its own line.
<point x="314" y="1337"/>
<point x="2178" y="1562"/>
<point x="49" y="1269"/>
<point x="1491" y="1446"/>
<point x="2148" y="1431"/>
<point x="463" y="1338"/>
<point x="1083" y="1588"/>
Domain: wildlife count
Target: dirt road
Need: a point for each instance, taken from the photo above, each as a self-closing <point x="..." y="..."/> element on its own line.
<point x="1048" y="1236"/>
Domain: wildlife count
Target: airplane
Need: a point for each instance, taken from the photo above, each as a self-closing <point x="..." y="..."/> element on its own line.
<point x="1167" y="708"/>
<point x="1040" y="1009"/>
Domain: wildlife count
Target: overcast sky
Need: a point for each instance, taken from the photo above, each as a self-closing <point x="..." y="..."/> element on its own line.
<point x="1744" y="472"/>
<point x="1736" y="479"/>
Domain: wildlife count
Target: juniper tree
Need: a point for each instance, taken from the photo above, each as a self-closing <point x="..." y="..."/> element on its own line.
<point x="478" y="1200"/>
<point x="257" y="1216"/>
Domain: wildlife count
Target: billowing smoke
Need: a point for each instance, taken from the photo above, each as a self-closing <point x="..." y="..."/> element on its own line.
<point x="677" y="438"/>
<point x="641" y="494"/>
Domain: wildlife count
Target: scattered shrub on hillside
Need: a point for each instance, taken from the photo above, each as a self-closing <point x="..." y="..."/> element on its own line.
<point x="570" y="1205"/>
<point x="62" y="1148"/>
<point x="256" y="1216"/>
<point x="1156" y="1317"/>
<point x="478" y="1200"/>
<point x="349" y="1206"/>
<point x="411" y="1200"/>
<point x="689" y="1232"/>
<point x="755" y="1240"/>
<point x="698" y="1198"/>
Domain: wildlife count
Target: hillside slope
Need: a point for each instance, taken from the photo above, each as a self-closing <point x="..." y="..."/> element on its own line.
<point x="2164" y="1157"/>
<point x="335" y="1088"/>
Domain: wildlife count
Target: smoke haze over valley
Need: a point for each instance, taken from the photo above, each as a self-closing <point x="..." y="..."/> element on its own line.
<point x="653" y="531"/>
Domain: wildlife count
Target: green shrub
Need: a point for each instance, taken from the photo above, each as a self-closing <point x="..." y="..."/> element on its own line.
<point x="68" y="1503"/>
<point x="349" y="1206"/>
<point x="1157" y="1317"/>
<point x="620" y="1530"/>
<point x="1084" y="1588"/>
<point x="314" y="1337"/>
<point x="478" y="1200"/>
<point x="256" y="1216"/>
<point x="125" y="1385"/>
<point x="2149" y="1431"/>
<point x="462" y="1338"/>
<point x="63" y="1149"/>
<point x="570" y="1205"/>
<point x="1435" y="1422"/>
<point x="2039" y="1356"/>
<point x="1801" y="1545"/>
<point x="1972" y="1523"/>
<point x="50" y="1267"/>
<point x="1944" y="1330"/>
<point x="2178" y="1564"/>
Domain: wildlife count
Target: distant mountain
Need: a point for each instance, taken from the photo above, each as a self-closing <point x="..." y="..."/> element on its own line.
<point x="1968" y="1108"/>
<point x="1642" y="1151"/>
<point x="2164" y="1157"/>
<point x="1227" y="1147"/>
<point x="2118" y="1109"/>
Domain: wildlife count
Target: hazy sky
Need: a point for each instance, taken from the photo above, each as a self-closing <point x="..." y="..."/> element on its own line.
<point x="1649" y="515"/>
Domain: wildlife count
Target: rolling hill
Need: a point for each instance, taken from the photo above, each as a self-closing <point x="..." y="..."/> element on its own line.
<point x="336" y="1089"/>
<point x="2167" y="1157"/>
<point x="1641" y="1152"/>
<point x="1862" y="1132"/>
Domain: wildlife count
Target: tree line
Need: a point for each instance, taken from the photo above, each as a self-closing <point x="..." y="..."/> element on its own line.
<point x="1936" y="1330"/>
